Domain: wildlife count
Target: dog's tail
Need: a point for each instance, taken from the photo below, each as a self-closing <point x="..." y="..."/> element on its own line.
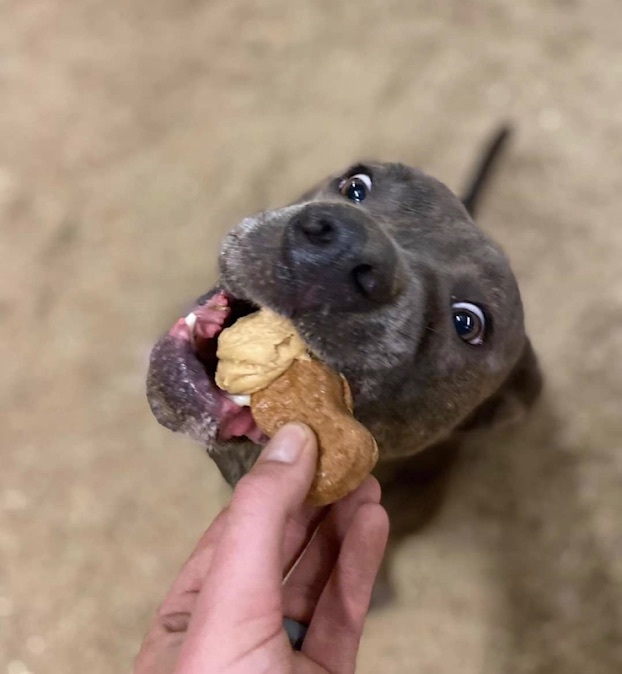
<point x="484" y="168"/>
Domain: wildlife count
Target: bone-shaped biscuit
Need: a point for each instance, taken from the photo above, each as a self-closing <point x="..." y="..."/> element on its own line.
<point x="262" y="355"/>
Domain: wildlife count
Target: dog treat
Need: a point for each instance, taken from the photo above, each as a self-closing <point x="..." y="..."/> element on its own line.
<point x="263" y="358"/>
<point x="310" y="392"/>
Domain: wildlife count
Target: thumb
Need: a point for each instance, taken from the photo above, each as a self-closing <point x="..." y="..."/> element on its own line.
<point x="283" y="473"/>
<point x="262" y="502"/>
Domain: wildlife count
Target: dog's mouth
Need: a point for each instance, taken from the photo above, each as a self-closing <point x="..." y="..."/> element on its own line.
<point x="203" y="327"/>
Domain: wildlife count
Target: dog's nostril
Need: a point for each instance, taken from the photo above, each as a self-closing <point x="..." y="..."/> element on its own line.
<point x="365" y="279"/>
<point x="319" y="231"/>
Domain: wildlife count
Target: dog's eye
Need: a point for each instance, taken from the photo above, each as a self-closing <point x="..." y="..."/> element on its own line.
<point x="356" y="187"/>
<point x="470" y="322"/>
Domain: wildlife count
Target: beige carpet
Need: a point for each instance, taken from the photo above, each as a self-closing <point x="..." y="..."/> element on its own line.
<point x="132" y="134"/>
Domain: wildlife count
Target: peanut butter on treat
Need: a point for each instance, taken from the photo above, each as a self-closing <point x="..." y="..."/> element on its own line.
<point x="262" y="355"/>
<point x="310" y="392"/>
<point x="255" y="350"/>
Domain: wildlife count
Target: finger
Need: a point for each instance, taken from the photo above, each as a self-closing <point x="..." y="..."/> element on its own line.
<point x="266" y="500"/>
<point x="305" y="585"/>
<point x="181" y="596"/>
<point x="299" y="530"/>
<point x="335" y="630"/>
<point x="243" y="587"/>
<point x="160" y="647"/>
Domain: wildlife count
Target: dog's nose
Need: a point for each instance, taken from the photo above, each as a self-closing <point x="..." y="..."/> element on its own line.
<point x="317" y="228"/>
<point x="325" y="233"/>
<point x="338" y="256"/>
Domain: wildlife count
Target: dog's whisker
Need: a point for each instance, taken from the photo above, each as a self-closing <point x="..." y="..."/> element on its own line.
<point x="435" y="331"/>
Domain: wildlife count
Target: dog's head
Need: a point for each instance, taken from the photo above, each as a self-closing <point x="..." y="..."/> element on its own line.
<point x="390" y="282"/>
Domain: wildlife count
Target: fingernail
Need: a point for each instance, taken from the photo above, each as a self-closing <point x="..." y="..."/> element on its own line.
<point x="287" y="445"/>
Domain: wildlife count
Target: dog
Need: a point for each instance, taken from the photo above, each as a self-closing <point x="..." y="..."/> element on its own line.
<point x="388" y="280"/>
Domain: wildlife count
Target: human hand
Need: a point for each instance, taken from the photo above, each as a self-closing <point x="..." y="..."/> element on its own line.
<point x="225" y="611"/>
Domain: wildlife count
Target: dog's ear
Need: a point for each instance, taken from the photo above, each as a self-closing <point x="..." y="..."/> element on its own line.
<point x="515" y="396"/>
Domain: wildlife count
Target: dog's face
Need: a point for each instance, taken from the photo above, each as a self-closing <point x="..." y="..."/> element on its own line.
<point x="390" y="282"/>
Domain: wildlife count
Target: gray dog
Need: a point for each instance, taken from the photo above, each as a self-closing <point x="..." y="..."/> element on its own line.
<point x="389" y="281"/>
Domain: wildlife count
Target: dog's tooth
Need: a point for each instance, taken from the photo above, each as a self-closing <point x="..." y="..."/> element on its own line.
<point x="241" y="400"/>
<point x="191" y="320"/>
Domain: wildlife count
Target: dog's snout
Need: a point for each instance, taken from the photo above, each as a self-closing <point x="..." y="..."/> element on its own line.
<point x="339" y="256"/>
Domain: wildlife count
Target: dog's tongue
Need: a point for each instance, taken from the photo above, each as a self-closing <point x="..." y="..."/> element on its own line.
<point x="237" y="422"/>
<point x="203" y="327"/>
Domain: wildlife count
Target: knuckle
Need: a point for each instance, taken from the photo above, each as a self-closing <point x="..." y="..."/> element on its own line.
<point x="174" y="623"/>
